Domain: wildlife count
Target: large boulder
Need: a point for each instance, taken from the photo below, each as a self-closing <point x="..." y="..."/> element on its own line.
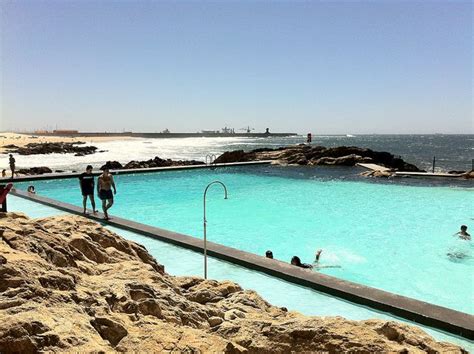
<point x="319" y="155"/>
<point x="112" y="165"/>
<point x="234" y="156"/>
<point x="34" y="170"/>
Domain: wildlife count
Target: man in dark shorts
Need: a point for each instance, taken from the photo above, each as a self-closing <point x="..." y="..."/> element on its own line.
<point x="86" y="181"/>
<point x="105" y="183"/>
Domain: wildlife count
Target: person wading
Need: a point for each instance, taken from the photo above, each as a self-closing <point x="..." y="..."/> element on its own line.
<point x="105" y="184"/>
<point x="86" y="181"/>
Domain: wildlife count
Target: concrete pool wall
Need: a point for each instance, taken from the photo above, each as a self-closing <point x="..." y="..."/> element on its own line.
<point x="439" y="317"/>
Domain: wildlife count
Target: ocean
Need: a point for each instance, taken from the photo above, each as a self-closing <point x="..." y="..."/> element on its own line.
<point x="452" y="152"/>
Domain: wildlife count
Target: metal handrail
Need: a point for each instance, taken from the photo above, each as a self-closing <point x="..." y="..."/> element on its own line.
<point x="205" y="221"/>
<point x="212" y="160"/>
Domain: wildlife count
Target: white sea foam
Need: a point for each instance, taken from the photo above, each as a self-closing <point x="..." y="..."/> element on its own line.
<point x="134" y="149"/>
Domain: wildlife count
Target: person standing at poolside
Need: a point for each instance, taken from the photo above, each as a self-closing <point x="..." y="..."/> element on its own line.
<point x="105" y="184"/>
<point x="11" y="161"/>
<point x="86" y="181"/>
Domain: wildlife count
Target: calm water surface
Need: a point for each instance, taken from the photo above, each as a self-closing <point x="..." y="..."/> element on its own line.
<point x="385" y="234"/>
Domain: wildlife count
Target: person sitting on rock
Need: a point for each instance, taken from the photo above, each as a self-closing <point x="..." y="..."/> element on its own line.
<point x="296" y="261"/>
<point x="463" y="234"/>
<point x="269" y="254"/>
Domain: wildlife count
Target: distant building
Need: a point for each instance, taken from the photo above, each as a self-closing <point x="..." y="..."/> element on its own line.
<point x="65" y="131"/>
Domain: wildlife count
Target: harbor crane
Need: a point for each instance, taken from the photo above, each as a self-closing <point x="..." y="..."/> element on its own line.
<point x="248" y="129"/>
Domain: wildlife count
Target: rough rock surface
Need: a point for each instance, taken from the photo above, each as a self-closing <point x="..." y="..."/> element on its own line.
<point x="68" y="284"/>
<point x="155" y="162"/>
<point x="319" y="155"/>
<point x="49" y="148"/>
<point x="34" y="170"/>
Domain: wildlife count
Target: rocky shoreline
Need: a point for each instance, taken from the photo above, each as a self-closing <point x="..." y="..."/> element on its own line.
<point x="320" y="156"/>
<point x="302" y="155"/>
<point x="68" y="284"/>
<point x="155" y="162"/>
<point x="51" y="148"/>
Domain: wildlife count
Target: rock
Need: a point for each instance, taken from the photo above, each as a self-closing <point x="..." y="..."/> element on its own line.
<point x="215" y="321"/>
<point x="234" y="156"/>
<point x="318" y="155"/>
<point x="112" y="165"/>
<point x="349" y="160"/>
<point x="50" y="148"/>
<point x="158" y="162"/>
<point x="109" y="330"/>
<point x="69" y="285"/>
<point x="468" y="175"/>
<point x="34" y="170"/>
<point x="456" y="172"/>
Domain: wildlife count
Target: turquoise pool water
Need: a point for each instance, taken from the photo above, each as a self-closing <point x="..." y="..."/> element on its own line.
<point x="386" y="235"/>
<point x="179" y="261"/>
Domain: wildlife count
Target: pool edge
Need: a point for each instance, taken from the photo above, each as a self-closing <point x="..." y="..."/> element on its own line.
<point x="68" y="175"/>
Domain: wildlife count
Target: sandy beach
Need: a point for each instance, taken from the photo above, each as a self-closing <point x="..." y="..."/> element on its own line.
<point x="24" y="139"/>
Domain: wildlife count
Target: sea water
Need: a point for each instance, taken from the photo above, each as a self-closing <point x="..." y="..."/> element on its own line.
<point x="391" y="236"/>
<point x="452" y="152"/>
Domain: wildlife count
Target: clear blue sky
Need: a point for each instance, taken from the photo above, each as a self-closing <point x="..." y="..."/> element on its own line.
<point x="325" y="67"/>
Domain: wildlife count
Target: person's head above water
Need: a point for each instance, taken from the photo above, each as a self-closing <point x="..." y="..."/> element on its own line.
<point x="269" y="254"/>
<point x="296" y="261"/>
<point x="89" y="168"/>
<point x="463" y="228"/>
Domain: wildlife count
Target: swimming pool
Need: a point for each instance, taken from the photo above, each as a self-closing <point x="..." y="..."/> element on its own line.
<point x="385" y="235"/>
<point x="179" y="262"/>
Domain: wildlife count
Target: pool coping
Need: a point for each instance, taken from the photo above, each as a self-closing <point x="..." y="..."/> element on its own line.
<point x="439" y="317"/>
<point x="67" y="175"/>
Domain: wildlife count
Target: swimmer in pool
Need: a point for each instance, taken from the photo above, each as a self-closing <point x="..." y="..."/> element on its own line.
<point x="318" y="266"/>
<point x="296" y="261"/>
<point x="463" y="234"/>
<point x="269" y="254"/>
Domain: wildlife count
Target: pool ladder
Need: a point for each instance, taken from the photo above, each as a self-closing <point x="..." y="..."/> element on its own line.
<point x="211" y="161"/>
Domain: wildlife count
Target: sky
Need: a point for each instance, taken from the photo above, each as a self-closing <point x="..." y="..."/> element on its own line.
<point x="326" y="67"/>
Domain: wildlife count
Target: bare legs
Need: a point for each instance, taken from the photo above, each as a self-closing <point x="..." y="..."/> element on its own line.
<point x="84" y="203"/>
<point x="106" y="205"/>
